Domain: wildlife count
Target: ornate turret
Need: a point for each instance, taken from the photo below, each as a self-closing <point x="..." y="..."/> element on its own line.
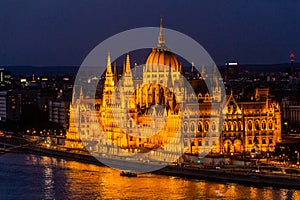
<point x="216" y="88"/>
<point x="72" y="137"/>
<point x="127" y="87"/>
<point x="108" y="84"/>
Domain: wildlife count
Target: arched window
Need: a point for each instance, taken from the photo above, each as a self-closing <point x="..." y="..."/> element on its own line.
<point x="207" y="97"/>
<point x="229" y="110"/>
<point x="225" y="126"/>
<point x="213" y="126"/>
<point x="230" y="126"/>
<point x="234" y="126"/>
<point x="263" y="125"/>
<point x="199" y="96"/>
<point x="185" y="127"/>
<point x="192" y="127"/>
<point x="257" y="125"/>
<point x="206" y="126"/>
<point x="200" y="128"/>
<point x="240" y="125"/>
<point x="270" y="125"/>
<point x="250" y="125"/>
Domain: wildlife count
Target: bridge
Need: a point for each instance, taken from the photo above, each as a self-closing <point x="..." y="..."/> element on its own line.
<point x="12" y="144"/>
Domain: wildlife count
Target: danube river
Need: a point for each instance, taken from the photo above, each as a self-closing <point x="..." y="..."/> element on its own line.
<point x="28" y="176"/>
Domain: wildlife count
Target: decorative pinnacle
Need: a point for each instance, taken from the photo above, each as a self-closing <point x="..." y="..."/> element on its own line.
<point x="108" y="66"/>
<point x="127" y="66"/>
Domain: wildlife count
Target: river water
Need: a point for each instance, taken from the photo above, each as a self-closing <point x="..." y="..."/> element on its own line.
<point x="28" y="176"/>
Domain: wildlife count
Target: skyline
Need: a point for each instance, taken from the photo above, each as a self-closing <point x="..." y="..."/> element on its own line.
<point x="60" y="33"/>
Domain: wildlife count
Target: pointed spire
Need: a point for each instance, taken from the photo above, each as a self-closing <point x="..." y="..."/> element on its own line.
<point x="215" y="76"/>
<point x="124" y="69"/>
<point x="203" y="71"/>
<point x="81" y="94"/>
<point x="127" y="81"/>
<point x="127" y="67"/>
<point x="161" y="39"/>
<point x="108" y="66"/>
<point x="73" y="97"/>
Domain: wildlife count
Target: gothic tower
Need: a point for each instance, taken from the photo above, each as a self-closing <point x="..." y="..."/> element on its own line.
<point x="127" y="91"/>
<point x="108" y="84"/>
<point x="73" y="139"/>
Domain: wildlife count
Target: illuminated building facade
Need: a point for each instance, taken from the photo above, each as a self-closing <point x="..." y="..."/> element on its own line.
<point x="5" y="79"/>
<point x="125" y="107"/>
<point x="58" y="112"/>
<point x="9" y="106"/>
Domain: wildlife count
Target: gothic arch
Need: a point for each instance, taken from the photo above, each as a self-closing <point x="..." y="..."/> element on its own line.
<point x="185" y="127"/>
<point x="270" y="124"/>
<point x="257" y="125"/>
<point x="234" y="126"/>
<point x="200" y="127"/>
<point x="250" y="125"/>
<point x="263" y="125"/>
<point x="230" y="127"/>
<point x="227" y="145"/>
<point x="206" y="126"/>
<point x="199" y="96"/>
<point x="225" y="126"/>
<point x="240" y="124"/>
<point x="213" y="126"/>
<point x="193" y="127"/>
<point x="237" y="144"/>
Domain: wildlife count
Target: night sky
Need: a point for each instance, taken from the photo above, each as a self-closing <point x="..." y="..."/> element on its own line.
<point x="62" y="32"/>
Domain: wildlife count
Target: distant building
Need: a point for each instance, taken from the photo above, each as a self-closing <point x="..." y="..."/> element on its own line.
<point x="58" y="112"/>
<point x="231" y="70"/>
<point x="5" y="79"/>
<point x="291" y="111"/>
<point x="3" y="106"/>
<point x="9" y="106"/>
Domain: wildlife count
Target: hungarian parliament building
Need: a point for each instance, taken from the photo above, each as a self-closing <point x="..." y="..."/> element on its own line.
<point x="159" y="111"/>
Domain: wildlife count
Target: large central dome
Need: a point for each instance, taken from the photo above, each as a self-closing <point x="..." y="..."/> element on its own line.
<point x="161" y="56"/>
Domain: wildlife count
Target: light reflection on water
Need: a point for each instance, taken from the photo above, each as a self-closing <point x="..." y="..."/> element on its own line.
<point x="39" y="177"/>
<point x="49" y="182"/>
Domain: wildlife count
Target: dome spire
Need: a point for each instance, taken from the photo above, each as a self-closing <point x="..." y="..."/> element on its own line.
<point x="161" y="39"/>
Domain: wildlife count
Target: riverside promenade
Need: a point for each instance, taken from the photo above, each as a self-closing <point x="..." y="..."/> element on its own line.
<point x="240" y="175"/>
<point x="235" y="175"/>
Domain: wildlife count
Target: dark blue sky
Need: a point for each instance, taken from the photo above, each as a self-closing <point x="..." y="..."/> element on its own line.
<point x="62" y="32"/>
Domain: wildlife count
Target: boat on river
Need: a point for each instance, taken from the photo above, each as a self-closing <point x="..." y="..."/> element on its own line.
<point x="128" y="174"/>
